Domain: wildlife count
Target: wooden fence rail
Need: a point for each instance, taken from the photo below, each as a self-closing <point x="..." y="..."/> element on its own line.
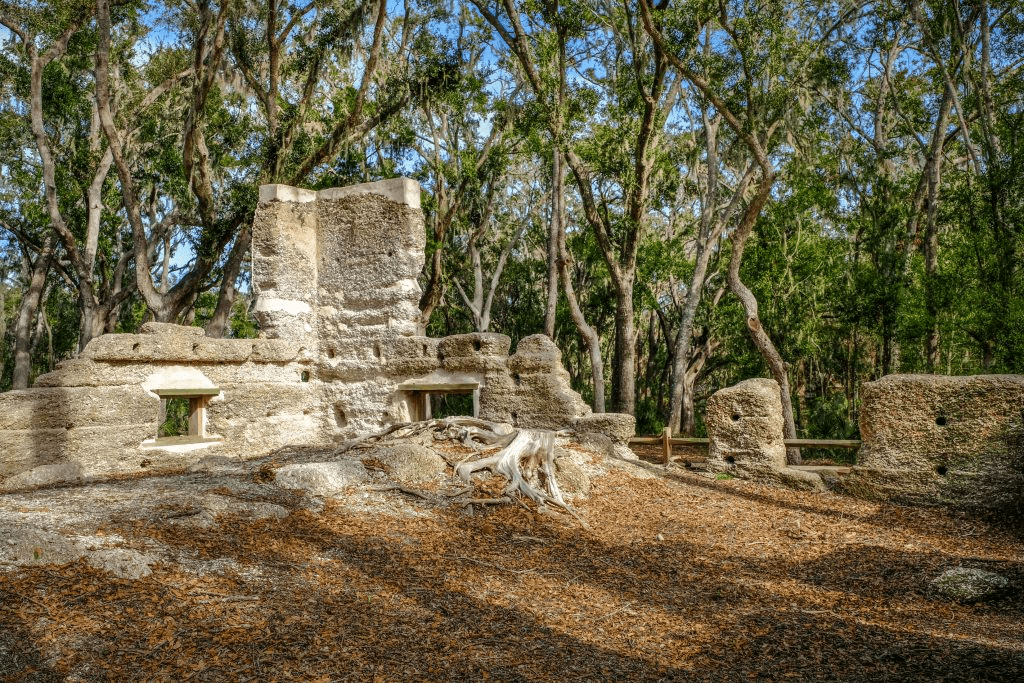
<point x="667" y="441"/>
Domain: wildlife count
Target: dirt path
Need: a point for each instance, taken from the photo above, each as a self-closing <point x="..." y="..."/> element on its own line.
<point x="680" y="577"/>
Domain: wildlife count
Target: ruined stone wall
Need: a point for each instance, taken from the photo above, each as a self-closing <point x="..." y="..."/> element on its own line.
<point x="336" y="296"/>
<point x="365" y="244"/>
<point x="939" y="439"/>
<point x="746" y="435"/>
<point x="101" y="408"/>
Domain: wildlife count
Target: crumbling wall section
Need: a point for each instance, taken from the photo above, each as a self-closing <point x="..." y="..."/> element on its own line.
<point x="940" y="439"/>
<point x="284" y="263"/>
<point x="101" y="410"/>
<point x="340" y="354"/>
<point x="746" y="435"/>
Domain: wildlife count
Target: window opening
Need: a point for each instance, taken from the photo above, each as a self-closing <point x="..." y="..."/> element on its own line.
<point x="434" y="400"/>
<point x="174" y="417"/>
<point x="451" y="404"/>
<point x="182" y="416"/>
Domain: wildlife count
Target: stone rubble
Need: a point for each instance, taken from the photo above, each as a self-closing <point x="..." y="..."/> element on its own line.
<point x="969" y="585"/>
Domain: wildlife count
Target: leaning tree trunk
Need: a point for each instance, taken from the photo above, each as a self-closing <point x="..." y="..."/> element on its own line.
<point x="218" y="325"/>
<point x="590" y="337"/>
<point x="28" y="311"/>
<point x="760" y="338"/>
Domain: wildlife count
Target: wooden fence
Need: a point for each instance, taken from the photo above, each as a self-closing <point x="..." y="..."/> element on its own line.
<point x="666" y="440"/>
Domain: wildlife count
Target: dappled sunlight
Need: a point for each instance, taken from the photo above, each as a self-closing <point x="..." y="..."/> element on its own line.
<point x="678" y="578"/>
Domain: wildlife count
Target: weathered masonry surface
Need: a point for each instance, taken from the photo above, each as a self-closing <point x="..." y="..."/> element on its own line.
<point x="340" y="354"/>
<point x="928" y="439"/>
<point x="939" y="439"/>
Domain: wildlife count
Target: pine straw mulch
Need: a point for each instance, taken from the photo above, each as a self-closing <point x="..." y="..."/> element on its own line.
<point x="679" y="578"/>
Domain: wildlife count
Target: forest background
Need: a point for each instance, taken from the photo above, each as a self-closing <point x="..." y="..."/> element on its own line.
<point x="682" y="194"/>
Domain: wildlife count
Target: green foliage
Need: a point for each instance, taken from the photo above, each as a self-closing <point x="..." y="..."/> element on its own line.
<point x="838" y="261"/>
<point x="175" y="422"/>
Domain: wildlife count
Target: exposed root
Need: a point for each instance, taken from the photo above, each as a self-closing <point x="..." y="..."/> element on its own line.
<point x="526" y="458"/>
<point x="485" y="501"/>
<point x="528" y="462"/>
<point x="403" y="489"/>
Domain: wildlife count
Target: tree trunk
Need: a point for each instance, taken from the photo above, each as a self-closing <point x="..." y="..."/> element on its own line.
<point x="554" y="230"/>
<point x="681" y="355"/>
<point x="93" y="320"/>
<point x="933" y="170"/>
<point x="3" y="327"/>
<point x="687" y="418"/>
<point x="760" y="338"/>
<point x="433" y="292"/>
<point x="590" y="337"/>
<point x="218" y="325"/>
<point x="624" y="369"/>
<point x="27" y="312"/>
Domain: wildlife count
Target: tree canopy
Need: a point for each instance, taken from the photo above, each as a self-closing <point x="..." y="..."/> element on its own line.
<point x="682" y="193"/>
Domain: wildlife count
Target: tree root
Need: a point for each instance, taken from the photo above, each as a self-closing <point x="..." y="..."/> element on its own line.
<point x="526" y="458"/>
<point x="528" y="462"/>
<point x="485" y="501"/>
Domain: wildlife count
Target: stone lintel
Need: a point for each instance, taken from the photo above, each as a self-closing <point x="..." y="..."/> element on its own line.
<point x="400" y="190"/>
<point x="440" y="387"/>
<point x="187" y="393"/>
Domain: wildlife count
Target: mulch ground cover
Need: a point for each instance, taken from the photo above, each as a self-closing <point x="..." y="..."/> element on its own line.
<point x="679" y="578"/>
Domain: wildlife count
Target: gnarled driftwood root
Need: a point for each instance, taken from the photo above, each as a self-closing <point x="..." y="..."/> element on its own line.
<point x="526" y="458"/>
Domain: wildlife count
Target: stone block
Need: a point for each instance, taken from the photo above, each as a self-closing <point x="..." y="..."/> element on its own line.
<point x="70" y="407"/>
<point x="536" y="353"/>
<point x="320" y="478"/>
<point x="84" y="372"/>
<point x="619" y="427"/>
<point x="399" y="190"/>
<point x="98" y="449"/>
<point x="46" y="475"/>
<point x="409" y="462"/>
<point x="475" y="344"/>
<point x="400" y="347"/>
<point x="933" y="438"/>
<point x="284" y="267"/>
<point x="171" y="328"/>
<point x="176" y="348"/>
<point x="745" y="426"/>
<point x="251" y="401"/>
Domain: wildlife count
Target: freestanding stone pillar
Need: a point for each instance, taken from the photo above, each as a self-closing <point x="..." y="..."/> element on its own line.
<point x="746" y="435"/>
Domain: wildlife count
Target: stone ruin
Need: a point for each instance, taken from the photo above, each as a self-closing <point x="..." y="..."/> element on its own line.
<point x="938" y="439"/>
<point x="926" y="439"/>
<point x="745" y="435"/>
<point x="340" y="354"/>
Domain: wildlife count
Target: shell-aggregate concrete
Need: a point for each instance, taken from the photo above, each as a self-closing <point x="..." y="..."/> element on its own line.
<point x="926" y="439"/>
<point x="937" y="439"/>
<point x="340" y="354"/>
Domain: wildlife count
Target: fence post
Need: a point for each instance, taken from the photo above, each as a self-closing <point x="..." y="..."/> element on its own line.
<point x="666" y="440"/>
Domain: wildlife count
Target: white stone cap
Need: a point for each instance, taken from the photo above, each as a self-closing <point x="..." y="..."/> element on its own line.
<point x="400" y="190"/>
<point x="285" y="193"/>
